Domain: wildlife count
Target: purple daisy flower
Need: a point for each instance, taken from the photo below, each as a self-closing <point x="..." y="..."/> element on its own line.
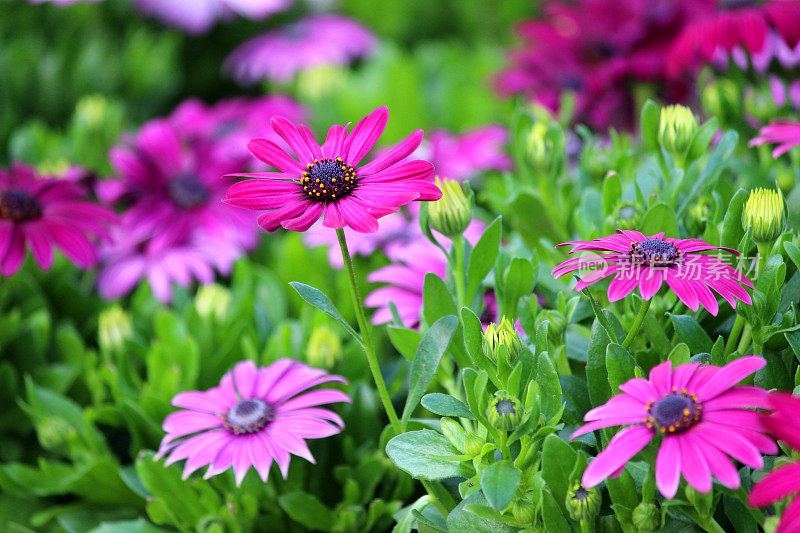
<point x="173" y="185"/>
<point x="784" y="133"/>
<point x="254" y="417"/>
<point x="198" y="16"/>
<point x="647" y="262"/>
<point x="701" y="416"/>
<point x="42" y="212"/>
<point x="327" y="179"/>
<point x="461" y="157"/>
<point x="313" y="41"/>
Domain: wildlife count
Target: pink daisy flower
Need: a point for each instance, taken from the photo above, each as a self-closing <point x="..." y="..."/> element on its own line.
<point x="42" y="212"/>
<point x="701" y="416"/>
<point x="783" y="482"/>
<point x="197" y="16"/>
<point x="313" y="41"/>
<point x="254" y="417"/>
<point x="647" y="262"/>
<point x="328" y="181"/>
<point x="783" y="133"/>
<point x="760" y="32"/>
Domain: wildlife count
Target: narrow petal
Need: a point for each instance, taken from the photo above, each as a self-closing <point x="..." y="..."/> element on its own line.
<point x="650" y="282"/>
<point x="398" y="153"/>
<point x="661" y="378"/>
<point x="356" y="216"/>
<point x="306" y="220"/>
<point x="293" y="138"/>
<point x="365" y="134"/>
<point x="693" y="463"/>
<point x="728" y="376"/>
<point x="668" y="467"/>
<point x="272" y="154"/>
<point x="775" y="486"/>
<point x="619" y="451"/>
<point x="245" y="378"/>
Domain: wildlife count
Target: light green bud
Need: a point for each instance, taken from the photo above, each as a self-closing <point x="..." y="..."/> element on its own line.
<point x="676" y="128"/>
<point x="505" y="411"/>
<point x="765" y="213"/>
<point x="115" y="327"/>
<point x="324" y="348"/>
<point x="646" y="518"/>
<point x="524" y="511"/>
<point x="583" y="503"/>
<point x="212" y="301"/>
<point x="502" y="334"/>
<point x="452" y="213"/>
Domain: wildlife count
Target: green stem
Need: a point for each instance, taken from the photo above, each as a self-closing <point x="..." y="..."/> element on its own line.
<point x="637" y="323"/>
<point x="744" y="342"/>
<point x="734" y="336"/>
<point x="598" y="312"/>
<point x="366" y="336"/>
<point x="429" y="489"/>
<point x="458" y="270"/>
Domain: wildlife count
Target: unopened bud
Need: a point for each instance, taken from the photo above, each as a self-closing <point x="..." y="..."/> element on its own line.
<point x="324" y="348"/>
<point x="699" y="213"/>
<point x="505" y="411"/>
<point x="524" y="511"/>
<point x="452" y="213"/>
<point x="629" y="216"/>
<point x="646" y="518"/>
<point x="556" y="322"/>
<point x="583" y="503"/>
<point x="503" y="334"/>
<point x="473" y="444"/>
<point x="212" y="301"/>
<point x="765" y="214"/>
<point x="115" y="327"/>
<point x="676" y="128"/>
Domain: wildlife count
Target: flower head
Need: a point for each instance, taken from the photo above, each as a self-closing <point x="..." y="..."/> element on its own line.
<point x="783" y="482"/>
<point x="783" y="133"/>
<point x="452" y="213"/>
<point x="41" y="212"/>
<point x="328" y="181"/>
<point x="316" y="40"/>
<point x="648" y="261"/>
<point x="676" y="129"/>
<point x="254" y="417"/>
<point x="461" y="157"/>
<point x="505" y="411"/>
<point x="701" y="417"/>
<point x="765" y="214"/>
<point x="501" y="335"/>
<point x="199" y="16"/>
<point x="583" y="503"/>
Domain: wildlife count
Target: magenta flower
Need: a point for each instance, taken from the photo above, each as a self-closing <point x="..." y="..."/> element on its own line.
<point x="313" y="41"/>
<point x="598" y="50"/>
<point x="42" y="212"/>
<point x="461" y="157"/>
<point x="647" y="262"/>
<point x="198" y="16"/>
<point x="62" y="2"/>
<point x="701" y="416"/>
<point x="230" y="124"/>
<point x="254" y="417"/>
<point x="758" y="32"/>
<point x="173" y="185"/>
<point x="784" y="482"/>
<point x="783" y="133"/>
<point x="328" y="181"/>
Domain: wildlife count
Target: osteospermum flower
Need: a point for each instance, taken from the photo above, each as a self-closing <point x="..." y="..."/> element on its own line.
<point x="783" y="133"/>
<point x="699" y="416"/>
<point x="314" y="41"/>
<point x="41" y="212"/>
<point x="460" y="157"/>
<point x="197" y="16"/>
<point x="784" y="482"/>
<point x="646" y="262"/>
<point x="747" y="33"/>
<point x="328" y="181"/>
<point x="254" y="417"/>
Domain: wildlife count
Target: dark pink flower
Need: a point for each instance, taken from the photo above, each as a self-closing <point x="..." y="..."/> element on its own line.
<point x="461" y="157"/>
<point x="41" y="212"/>
<point x="598" y="49"/>
<point x="316" y="40"/>
<point x="197" y="16"/>
<point x="784" y="482"/>
<point x="647" y="262"/>
<point x="328" y="181"/>
<point x="738" y="32"/>
<point x="783" y="133"/>
<point x="254" y="417"/>
<point x="701" y="416"/>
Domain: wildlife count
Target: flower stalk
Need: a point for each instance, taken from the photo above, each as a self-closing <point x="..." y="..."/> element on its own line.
<point x="637" y="323"/>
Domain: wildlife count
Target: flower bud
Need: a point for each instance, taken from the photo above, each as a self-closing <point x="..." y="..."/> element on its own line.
<point x="629" y="216"/>
<point x="505" y="411"/>
<point x="556" y="322"/>
<point x="524" y="511"/>
<point x="473" y="444"/>
<point x="771" y="524"/>
<point x="538" y="147"/>
<point x="676" y="129"/>
<point x="324" y="348"/>
<point x="503" y="334"/>
<point x="212" y="301"/>
<point x="721" y="98"/>
<point x="114" y="328"/>
<point x="765" y="213"/>
<point x="646" y="518"/>
<point x="582" y="503"/>
<point x="54" y="433"/>
<point x="699" y="213"/>
<point x="452" y="213"/>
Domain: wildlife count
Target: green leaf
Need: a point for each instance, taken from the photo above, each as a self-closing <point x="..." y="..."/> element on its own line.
<point x="660" y="218"/>
<point x="550" y="387"/>
<point x="438" y="301"/>
<point x="462" y="519"/>
<point x="530" y="217"/>
<point x="622" y="490"/>
<point x="692" y="333"/>
<point x="320" y="300"/>
<point x="518" y="283"/>
<point x="596" y="373"/>
<point x="405" y="340"/>
<point x="732" y="231"/>
<point x="716" y="162"/>
<point x="423" y="455"/>
<point x="612" y="193"/>
<point x="620" y="366"/>
<point x="554" y="521"/>
<point x="558" y="460"/>
<point x="650" y="119"/>
<point x="680" y="354"/>
<point x="429" y="353"/>
<point x="483" y="256"/>
<point x="139" y="525"/>
<point x="446" y="405"/>
<point x="702" y="138"/>
<point x="499" y="482"/>
<point x="307" y="510"/>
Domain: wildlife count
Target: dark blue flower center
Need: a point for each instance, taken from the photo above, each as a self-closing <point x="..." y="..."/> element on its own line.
<point x="654" y="252"/>
<point x="674" y="413"/>
<point x="249" y="416"/>
<point x="187" y="191"/>
<point x="19" y="206"/>
<point x="506" y="407"/>
<point x="328" y="180"/>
